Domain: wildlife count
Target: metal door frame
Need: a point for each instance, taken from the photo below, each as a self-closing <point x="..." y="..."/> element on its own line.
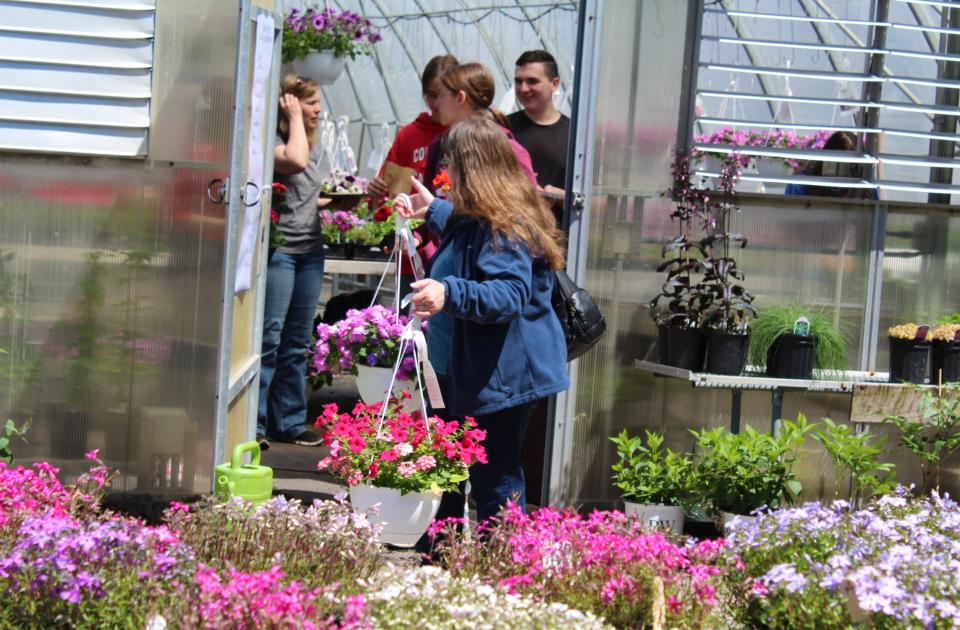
<point x="578" y="186"/>
<point x="228" y="390"/>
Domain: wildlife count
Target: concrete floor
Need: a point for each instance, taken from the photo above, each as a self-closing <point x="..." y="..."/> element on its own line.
<point x="295" y="472"/>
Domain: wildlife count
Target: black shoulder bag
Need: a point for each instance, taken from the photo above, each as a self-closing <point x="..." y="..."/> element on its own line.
<point x="581" y="320"/>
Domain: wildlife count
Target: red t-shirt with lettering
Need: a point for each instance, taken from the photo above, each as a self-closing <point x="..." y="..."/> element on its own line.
<point x="410" y="146"/>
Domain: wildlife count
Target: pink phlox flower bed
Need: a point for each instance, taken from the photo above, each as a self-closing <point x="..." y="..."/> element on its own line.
<point x="605" y="563"/>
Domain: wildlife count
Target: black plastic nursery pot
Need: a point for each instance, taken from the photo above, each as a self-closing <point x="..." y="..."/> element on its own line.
<point x="791" y="356"/>
<point x="944" y="362"/>
<point x="682" y="348"/>
<point x="727" y="353"/>
<point x="908" y="360"/>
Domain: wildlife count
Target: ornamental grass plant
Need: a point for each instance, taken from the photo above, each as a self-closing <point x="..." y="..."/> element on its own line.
<point x="890" y="565"/>
<point x="604" y="563"/>
<point x="830" y="348"/>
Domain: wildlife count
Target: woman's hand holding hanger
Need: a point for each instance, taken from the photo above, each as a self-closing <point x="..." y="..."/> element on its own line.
<point x="420" y="201"/>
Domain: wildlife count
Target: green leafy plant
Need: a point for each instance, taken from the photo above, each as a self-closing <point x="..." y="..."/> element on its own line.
<point x="830" y="348"/>
<point x="11" y="430"/>
<point x="650" y="474"/>
<point x="741" y="472"/>
<point x="857" y="454"/>
<point x="935" y="436"/>
<point x="952" y="318"/>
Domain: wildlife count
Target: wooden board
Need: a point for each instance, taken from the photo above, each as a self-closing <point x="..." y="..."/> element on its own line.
<point x="870" y="402"/>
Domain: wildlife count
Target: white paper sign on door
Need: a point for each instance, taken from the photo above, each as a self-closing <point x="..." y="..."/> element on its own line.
<point x="262" y="60"/>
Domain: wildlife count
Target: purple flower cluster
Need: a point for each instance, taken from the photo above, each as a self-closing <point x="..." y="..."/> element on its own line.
<point x="59" y="558"/>
<point x="895" y="561"/>
<point x="370" y="336"/>
<point x="344" y="32"/>
<point x="342" y="221"/>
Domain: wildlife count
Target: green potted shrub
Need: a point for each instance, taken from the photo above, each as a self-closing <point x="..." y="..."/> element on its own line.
<point x="786" y="350"/>
<point x="655" y="481"/>
<point x="738" y="473"/>
<point x="909" y="348"/>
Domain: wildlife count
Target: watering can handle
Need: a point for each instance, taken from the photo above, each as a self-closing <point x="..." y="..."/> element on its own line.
<point x="253" y="447"/>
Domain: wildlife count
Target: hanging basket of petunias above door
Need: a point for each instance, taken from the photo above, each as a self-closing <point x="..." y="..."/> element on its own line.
<point x="318" y="42"/>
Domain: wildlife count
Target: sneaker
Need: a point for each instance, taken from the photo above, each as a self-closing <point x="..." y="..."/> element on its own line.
<point x="263" y="442"/>
<point x="308" y="438"/>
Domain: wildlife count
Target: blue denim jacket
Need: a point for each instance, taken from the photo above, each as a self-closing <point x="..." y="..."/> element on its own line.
<point x="507" y="346"/>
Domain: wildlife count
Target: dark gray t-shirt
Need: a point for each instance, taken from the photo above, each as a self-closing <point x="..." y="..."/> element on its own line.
<point x="299" y="216"/>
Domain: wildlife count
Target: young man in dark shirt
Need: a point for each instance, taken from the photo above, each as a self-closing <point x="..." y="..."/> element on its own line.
<point x="543" y="132"/>
<point x="539" y="127"/>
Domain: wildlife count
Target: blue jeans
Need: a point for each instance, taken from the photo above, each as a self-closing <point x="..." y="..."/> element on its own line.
<point x="290" y="305"/>
<point x="501" y="478"/>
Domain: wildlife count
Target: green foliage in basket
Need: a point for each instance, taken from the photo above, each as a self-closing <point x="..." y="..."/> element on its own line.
<point x="830" y="348"/>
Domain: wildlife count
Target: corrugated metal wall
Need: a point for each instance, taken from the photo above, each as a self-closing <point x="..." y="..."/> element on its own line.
<point x="111" y="272"/>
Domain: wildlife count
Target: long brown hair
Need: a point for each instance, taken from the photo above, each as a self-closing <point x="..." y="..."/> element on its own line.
<point x="300" y="87"/>
<point x="487" y="184"/>
<point x="474" y="80"/>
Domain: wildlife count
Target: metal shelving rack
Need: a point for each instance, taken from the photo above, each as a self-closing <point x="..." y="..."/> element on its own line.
<point x="846" y="383"/>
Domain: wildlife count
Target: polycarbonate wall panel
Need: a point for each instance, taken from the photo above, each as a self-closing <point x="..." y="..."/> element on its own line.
<point x="813" y="251"/>
<point x="111" y="275"/>
<point x="921" y="272"/>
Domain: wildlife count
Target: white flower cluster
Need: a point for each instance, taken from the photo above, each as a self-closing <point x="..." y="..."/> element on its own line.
<point x="429" y="598"/>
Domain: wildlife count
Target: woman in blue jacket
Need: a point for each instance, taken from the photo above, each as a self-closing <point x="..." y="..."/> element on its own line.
<point x="493" y="336"/>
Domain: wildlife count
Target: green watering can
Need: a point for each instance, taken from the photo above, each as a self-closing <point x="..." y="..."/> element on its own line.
<point x="252" y="481"/>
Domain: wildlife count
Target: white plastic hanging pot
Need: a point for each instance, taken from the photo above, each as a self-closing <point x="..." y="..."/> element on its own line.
<point x="657" y="516"/>
<point x="404" y="517"/>
<point x="770" y="167"/>
<point x="321" y="66"/>
<point x="374" y="381"/>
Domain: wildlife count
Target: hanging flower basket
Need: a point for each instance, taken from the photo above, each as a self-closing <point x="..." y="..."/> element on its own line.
<point x="403" y="461"/>
<point x="403" y="517"/>
<point x="321" y="66"/>
<point x="318" y="42"/>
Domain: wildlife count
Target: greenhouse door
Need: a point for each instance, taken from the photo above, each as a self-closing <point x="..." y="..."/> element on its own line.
<point x="575" y="220"/>
<point x="247" y="193"/>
